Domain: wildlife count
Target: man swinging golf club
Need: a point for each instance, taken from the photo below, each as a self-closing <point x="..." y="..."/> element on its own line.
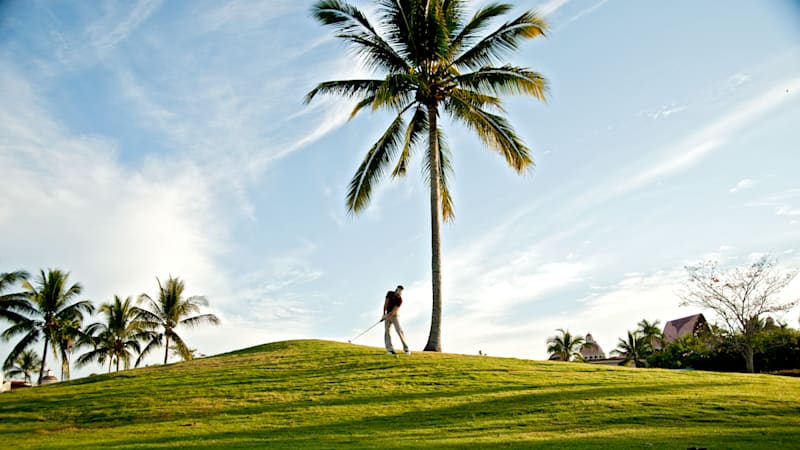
<point x="390" y="308"/>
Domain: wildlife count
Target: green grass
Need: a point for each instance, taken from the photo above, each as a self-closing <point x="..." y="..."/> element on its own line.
<point x="326" y="395"/>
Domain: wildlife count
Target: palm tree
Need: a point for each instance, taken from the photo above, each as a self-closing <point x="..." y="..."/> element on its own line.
<point x="166" y="313"/>
<point x="565" y="345"/>
<point x="651" y="332"/>
<point x="48" y="308"/>
<point x="433" y="60"/>
<point x="10" y="301"/>
<point x="24" y="364"/>
<point x="116" y="338"/>
<point x="67" y="339"/>
<point x="635" y="349"/>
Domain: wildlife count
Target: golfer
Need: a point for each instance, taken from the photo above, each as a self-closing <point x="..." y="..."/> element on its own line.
<point x="390" y="308"/>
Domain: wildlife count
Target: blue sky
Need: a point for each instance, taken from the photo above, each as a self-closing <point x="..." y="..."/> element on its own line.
<point x="142" y="139"/>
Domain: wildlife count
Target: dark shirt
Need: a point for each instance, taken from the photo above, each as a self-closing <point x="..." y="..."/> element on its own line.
<point x="394" y="301"/>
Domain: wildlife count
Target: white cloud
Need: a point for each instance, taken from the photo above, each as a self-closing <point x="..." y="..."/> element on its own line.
<point x="551" y="6"/>
<point x="692" y="149"/>
<point x="108" y="32"/>
<point x="665" y="111"/>
<point x="738" y="79"/>
<point x="747" y="183"/>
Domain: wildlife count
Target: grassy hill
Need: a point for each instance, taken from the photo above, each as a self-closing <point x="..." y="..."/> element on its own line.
<point x="324" y="395"/>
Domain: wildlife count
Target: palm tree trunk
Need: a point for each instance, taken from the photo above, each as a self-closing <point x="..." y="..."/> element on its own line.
<point x="44" y="358"/>
<point x="435" y="336"/>
<point x="166" y="348"/>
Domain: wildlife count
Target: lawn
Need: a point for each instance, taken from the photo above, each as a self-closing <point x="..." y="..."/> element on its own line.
<point x="323" y="394"/>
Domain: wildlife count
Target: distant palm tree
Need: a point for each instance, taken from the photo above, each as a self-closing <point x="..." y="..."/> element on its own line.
<point x="635" y="349"/>
<point x="433" y="60"/>
<point x="67" y="339"/>
<point x="651" y="332"/>
<point x="565" y="345"/>
<point x="24" y="365"/>
<point x="48" y="308"/>
<point x="118" y="336"/>
<point x="166" y="313"/>
<point x="10" y="301"/>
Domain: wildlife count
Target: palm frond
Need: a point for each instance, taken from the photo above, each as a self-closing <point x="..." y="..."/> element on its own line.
<point x="415" y="132"/>
<point x="156" y="342"/>
<point x="372" y="167"/>
<point x="505" y="80"/>
<point x="26" y="341"/>
<point x="201" y="319"/>
<point x="502" y="41"/>
<point x="352" y="25"/>
<point x="493" y="130"/>
<point x="479" y="21"/>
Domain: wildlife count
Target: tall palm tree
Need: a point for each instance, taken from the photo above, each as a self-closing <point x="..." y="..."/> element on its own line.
<point x="118" y="336"/>
<point x="24" y="365"/>
<point x="49" y="306"/>
<point x="166" y="313"/>
<point x="565" y="345"/>
<point x="635" y="349"/>
<point x="651" y="332"/>
<point x="433" y="59"/>
<point x="11" y="300"/>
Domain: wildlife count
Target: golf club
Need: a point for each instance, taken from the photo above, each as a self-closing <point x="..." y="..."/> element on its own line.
<point x="364" y="332"/>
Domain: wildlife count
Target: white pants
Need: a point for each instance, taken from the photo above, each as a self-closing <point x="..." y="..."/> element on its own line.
<point x="387" y="338"/>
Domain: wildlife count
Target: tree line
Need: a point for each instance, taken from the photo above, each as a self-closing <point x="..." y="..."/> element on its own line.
<point x="45" y="310"/>
<point x="745" y="339"/>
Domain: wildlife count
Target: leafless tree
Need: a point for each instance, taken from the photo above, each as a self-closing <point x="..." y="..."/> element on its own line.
<point x="739" y="297"/>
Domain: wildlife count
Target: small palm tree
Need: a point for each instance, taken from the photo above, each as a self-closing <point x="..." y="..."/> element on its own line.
<point x="164" y="315"/>
<point x="651" y="331"/>
<point x="118" y="336"/>
<point x="635" y="349"/>
<point x="565" y="345"/>
<point x="68" y="338"/>
<point x="50" y="305"/>
<point x="433" y="59"/>
<point x="24" y="365"/>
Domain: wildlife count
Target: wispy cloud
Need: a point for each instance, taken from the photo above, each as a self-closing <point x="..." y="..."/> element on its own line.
<point x="551" y="6"/>
<point x="116" y="26"/>
<point x="783" y="203"/>
<point x="665" y="111"/>
<point x="692" y="149"/>
<point x="583" y="12"/>
<point x="746" y="183"/>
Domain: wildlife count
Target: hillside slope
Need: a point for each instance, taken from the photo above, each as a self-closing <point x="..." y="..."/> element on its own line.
<point x="323" y="394"/>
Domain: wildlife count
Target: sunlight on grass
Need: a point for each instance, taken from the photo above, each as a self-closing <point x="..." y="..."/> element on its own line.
<point x="325" y="394"/>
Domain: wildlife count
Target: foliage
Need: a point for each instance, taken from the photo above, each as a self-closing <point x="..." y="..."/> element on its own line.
<point x="635" y="349"/>
<point x="740" y="298"/>
<point x="434" y="59"/>
<point x="10" y="301"/>
<point x="651" y="331"/>
<point x="162" y="317"/>
<point x="47" y="310"/>
<point x="313" y="394"/>
<point x="565" y="345"/>
<point x="24" y="365"/>
<point x="118" y="337"/>
<point x="775" y="349"/>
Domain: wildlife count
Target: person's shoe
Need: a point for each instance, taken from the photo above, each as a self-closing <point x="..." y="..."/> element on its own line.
<point x="390" y="352"/>
<point x="408" y="352"/>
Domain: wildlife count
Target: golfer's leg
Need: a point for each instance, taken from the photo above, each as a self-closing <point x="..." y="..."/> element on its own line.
<point x="387" y="338"/>
<point x="396" y="322"/>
